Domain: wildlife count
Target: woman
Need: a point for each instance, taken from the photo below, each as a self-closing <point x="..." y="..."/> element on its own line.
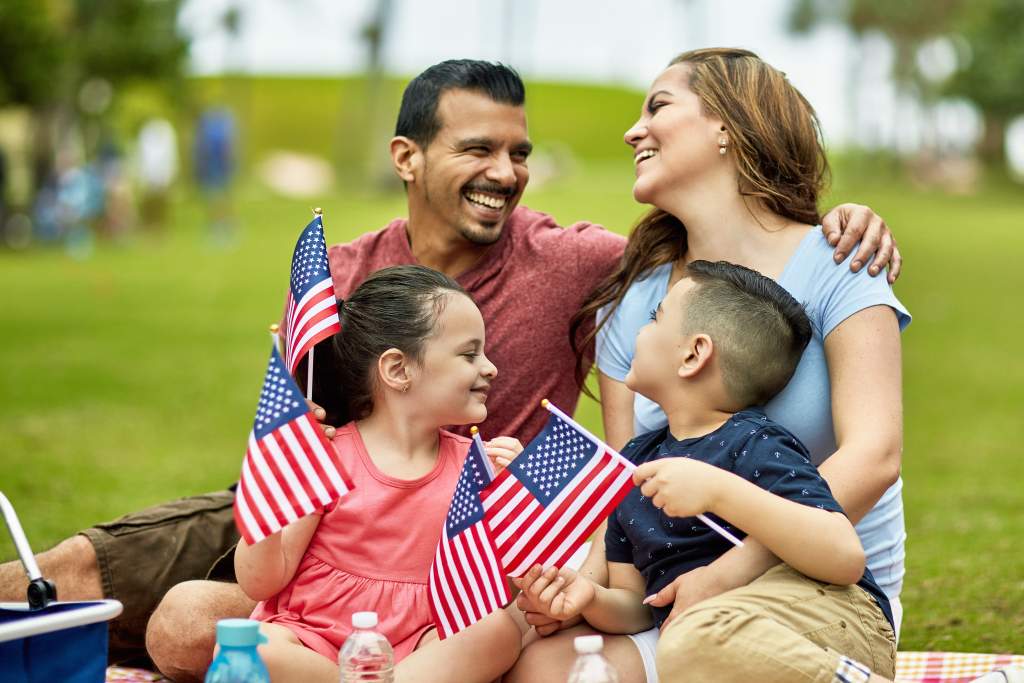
<point x="730" y="156"/>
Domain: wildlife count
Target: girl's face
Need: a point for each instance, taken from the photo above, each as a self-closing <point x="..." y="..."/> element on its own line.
<point x="673" y="142"/>
<point x="455" y="376"/>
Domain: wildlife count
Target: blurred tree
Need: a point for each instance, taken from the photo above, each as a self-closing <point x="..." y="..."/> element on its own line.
<point x="993" y="74"/>
<point x="49" y="49"/>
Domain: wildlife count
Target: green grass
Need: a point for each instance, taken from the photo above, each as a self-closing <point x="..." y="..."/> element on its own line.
<point x="132" y="377"/>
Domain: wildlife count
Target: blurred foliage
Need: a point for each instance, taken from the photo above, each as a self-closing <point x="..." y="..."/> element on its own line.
<point x="989" y="32"/>
<point x="69" y="59"/>
<point x="994" y="73"/>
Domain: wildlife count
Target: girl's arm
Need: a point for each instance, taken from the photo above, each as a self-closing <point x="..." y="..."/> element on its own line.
<point x="264" y="568"/>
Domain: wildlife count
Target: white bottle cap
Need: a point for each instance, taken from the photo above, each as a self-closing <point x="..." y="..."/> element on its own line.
<point x="588" y="645"/>
<point x="364" y="619"/>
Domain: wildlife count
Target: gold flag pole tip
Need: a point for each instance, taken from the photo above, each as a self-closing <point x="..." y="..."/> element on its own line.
<point x="274" y="327"/>
<point x="544" y="403"/>
<point x="317" y="211"/>
<point x="474" y="430"/>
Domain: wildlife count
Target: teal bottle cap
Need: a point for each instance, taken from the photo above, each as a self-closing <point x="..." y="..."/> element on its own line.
<point x="239" y="633"/>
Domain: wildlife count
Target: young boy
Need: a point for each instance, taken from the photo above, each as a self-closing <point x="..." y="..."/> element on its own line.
<point x="726" y="338"/>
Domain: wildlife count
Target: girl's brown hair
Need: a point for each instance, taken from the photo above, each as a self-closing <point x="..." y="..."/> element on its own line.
<point x="775" y="138"/>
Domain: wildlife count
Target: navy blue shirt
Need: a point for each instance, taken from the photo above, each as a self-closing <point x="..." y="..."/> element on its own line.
<point x="749" y="445"/>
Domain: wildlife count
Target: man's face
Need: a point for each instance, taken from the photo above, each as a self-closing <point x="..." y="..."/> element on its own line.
<point x="474" y="171"/>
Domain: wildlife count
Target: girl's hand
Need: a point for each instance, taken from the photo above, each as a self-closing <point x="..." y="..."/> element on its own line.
<point x="502" y="450"/>
<point x="559" y="593"/>
<point x="680" y="486"/>
<point x="320" y="414"/>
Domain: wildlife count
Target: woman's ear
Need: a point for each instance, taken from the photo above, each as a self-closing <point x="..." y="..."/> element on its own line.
<point x="697" y="351"/>
<point x="393" y="370"/>
<point x="405" y="157"/>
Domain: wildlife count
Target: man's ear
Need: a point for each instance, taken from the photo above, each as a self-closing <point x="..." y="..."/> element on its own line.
<point x="393" y="370"/>
<point x="696" y="355"/>
<point x="406" y="157"/>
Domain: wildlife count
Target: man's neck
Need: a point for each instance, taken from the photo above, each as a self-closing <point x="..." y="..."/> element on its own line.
<point x="443" y="250"/>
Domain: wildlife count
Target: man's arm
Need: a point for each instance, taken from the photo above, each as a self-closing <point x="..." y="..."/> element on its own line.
<point x="847" y="224"/>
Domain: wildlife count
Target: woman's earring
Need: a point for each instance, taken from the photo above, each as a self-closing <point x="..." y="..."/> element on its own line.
<point x="405" y="388"/>
<point x="722" y="144"/>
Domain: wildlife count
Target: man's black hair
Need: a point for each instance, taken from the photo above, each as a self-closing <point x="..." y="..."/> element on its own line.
<point x="418" y="120"/>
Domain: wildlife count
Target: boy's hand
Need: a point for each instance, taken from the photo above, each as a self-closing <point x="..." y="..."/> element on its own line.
<point x="559" y="593"/>
<point x="686" y="591"/>
<point x="502" y="450"/>
<point x="320" y="414"/>
<point x="680" y="486"/>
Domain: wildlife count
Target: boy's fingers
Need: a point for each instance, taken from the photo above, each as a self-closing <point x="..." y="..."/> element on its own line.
<point x="883" y="255"/>
<point x="869" y="243"/>
<point x="895" y="265"/>
<point x="662" y="597"/>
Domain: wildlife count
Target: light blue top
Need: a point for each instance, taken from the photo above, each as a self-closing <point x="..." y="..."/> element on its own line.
<point x="830" y="294"/>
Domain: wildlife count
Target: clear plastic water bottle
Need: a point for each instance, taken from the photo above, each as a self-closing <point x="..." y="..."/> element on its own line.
<point x="366" y="656"/>
<point x="591" y="666"/>
<point x="237" y="661"/>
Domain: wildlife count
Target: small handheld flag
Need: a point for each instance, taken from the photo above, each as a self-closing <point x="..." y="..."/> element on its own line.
<point x="554" y="495"/>
<point x="290" y="469"/>
<point x="466" y="580"/>
<point x="312" y="312"/>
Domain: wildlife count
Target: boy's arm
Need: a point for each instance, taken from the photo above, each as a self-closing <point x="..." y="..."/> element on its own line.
<point x="817" y="542"/>
<point x="264" y="568"/>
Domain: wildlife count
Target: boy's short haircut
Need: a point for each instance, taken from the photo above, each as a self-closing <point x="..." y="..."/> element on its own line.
<point x="758" y="329"/>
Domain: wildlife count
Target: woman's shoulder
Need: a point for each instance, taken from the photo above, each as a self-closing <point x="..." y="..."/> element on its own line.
<point x="646" y="292"/>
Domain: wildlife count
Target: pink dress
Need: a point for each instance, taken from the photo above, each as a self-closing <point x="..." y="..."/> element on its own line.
<point x="371" y="552"/>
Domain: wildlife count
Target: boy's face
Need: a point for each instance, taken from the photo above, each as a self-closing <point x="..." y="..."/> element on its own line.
<point x="660" y="345"/>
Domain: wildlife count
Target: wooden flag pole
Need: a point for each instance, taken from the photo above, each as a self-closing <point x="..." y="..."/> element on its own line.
<point x="317" y="211"/>
<point x="724" y="533"/>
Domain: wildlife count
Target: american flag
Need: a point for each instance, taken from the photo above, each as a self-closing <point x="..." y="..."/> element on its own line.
<point x="555" y="493"/>
<point x="312" y="311"/>
<point x="466" y="580"/>
<point x="290" y="469"/>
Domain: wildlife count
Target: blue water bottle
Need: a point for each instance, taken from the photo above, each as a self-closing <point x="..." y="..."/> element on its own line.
<point x="237" y="661"/>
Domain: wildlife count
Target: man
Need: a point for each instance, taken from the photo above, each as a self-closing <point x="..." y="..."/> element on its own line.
<point x="461" y="148"/>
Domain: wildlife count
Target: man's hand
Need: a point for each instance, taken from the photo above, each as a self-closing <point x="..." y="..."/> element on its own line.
<point x="558" y="593"/>
<point x="686" y="591"/>
<point x="847" y="224"/>
<point x="680" y="486"/>
<point x="502" y="450"/>
<point x="320" y="414"/>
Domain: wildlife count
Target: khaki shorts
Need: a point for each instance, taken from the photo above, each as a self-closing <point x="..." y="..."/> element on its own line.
<point x="783" y="627"/>
<point x="143" y="554"/>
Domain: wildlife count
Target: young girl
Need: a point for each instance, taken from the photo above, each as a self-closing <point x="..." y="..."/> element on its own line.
<point x="410" y="359"/>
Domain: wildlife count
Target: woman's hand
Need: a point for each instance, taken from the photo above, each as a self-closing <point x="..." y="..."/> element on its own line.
<point x="502" y="450"/>
<point x="686" y="591"/>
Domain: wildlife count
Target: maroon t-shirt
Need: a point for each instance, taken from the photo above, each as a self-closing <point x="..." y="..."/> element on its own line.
<point x="528" y="286"/>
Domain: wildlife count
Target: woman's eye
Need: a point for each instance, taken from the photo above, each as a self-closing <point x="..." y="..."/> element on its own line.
<point x="655" y="106"/>
<point x="653" y="314"/>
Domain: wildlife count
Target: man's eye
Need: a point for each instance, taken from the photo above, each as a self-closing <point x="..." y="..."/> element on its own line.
<point x="653" y="314"/>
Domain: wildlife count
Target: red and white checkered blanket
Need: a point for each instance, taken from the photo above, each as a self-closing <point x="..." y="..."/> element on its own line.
<point x="949" y="667"/>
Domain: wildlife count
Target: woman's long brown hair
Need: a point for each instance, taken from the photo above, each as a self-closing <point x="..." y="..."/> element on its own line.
<point x="775" y="138"/>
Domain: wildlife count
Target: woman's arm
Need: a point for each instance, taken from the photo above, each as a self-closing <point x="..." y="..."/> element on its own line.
<point x="616" y="411"/>
<point x="264" y="568"/>
<point x="864" y="366"/>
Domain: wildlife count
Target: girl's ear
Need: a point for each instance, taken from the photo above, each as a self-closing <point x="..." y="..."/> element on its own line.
<point x="393" y="370"/>
<point x="696" y="355"/>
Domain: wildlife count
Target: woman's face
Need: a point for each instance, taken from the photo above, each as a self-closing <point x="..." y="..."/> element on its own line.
<point x="674" y="142"/>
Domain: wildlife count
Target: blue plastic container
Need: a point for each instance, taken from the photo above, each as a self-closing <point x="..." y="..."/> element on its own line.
<point x="237" y="661"/>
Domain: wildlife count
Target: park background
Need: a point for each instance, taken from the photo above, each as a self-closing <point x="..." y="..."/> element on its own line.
<point x="131" y="355"/>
